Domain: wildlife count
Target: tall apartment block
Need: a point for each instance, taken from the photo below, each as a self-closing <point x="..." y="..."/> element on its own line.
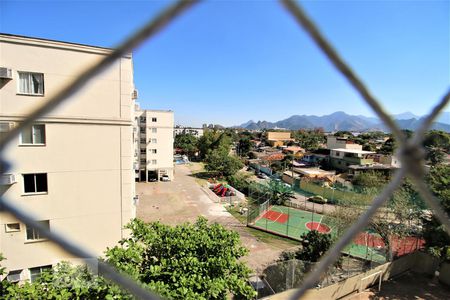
<point x="153" y="136"/>
<point x="73" y="168"/>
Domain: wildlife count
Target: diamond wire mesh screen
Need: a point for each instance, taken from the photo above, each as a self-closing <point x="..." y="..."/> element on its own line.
<point x="411" y="150"/>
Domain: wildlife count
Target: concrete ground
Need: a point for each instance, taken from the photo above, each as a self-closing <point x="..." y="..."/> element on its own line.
<point x="183" y="200"/>
<point x="408" y="286"/>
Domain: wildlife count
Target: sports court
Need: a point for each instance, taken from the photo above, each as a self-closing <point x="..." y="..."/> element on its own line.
<point x="291" y="222"/>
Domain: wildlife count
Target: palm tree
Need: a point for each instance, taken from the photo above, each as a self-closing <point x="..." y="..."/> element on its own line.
<point x="280" y="192"/>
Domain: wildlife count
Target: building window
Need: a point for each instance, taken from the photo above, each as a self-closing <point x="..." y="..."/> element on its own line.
<point x="143" y="119"/>
<point x="143" y="161"/>
<point x="154" y="162"/>
<point x="31" y="83"/>
<point x="143" y="140"/>
<point x="12" y="227"/>
<point x="142" y="129"/>
<point x="154" y="151"/>
<point x="338" y="153"/>
<point x="35" y="183"/>
<point x="34" y="135"/>
<point x="154" y="141"/>
<point x="143" y="150"/>
<point x="33" y="234"/>
<point x="36" y="272"/>
<point x="14" y="276"/>
<point x="154" y="130"/>
<point x="154" y="119"/>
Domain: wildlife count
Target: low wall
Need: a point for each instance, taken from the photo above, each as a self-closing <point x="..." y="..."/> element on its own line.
<point x="418" y="262"/>
<point x="444" y="274"/>
<point x="239" y="197"/>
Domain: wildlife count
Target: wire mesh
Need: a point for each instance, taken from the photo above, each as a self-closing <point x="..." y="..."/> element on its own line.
<point x="411" y="151"/>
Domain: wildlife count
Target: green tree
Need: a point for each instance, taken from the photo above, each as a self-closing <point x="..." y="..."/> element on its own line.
<point x="314" y="245"/>
<point x="211" y="140"/>
<point x="280" y="193"/>
<point x="187" y="143"/>
<point x="435" y="236"/>
<point x="244" y="146"/>
<point x="309" y="139"/>
<point x="222" y="163"/>
<point x="189" y="261"/>
<point x="63" y="282"/>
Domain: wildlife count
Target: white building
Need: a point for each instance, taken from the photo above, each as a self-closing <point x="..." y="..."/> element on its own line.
<point x="154" y="137"/>
<point x="197" y="132"/>
<point x="73" y="169"/>
<point x="334" y="142"/>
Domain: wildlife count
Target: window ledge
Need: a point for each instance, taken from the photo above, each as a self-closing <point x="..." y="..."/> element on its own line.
<point x="35" y="194"/>
<point x="33" y="95"/>
<point x="32" y="145"/>
<point x="35" y="241"/>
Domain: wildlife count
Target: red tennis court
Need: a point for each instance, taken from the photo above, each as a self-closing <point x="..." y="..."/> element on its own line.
<point x="322" y="228"/>
<point x="400" y="246"/>
<point x="276" y="216"/>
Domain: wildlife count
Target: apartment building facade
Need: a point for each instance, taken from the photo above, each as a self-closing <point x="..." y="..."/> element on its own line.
<point x="153" y="137"/>
<point x="73" y="168"/>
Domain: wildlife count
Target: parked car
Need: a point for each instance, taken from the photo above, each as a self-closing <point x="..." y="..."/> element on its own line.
<point x="318" y="199"/>
<point x="153" y="179"/>
<point x="262" y="176"/>
<point x="164" y="178"/>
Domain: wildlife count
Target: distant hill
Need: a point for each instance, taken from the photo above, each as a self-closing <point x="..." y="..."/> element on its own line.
<point x="342" y="121"/>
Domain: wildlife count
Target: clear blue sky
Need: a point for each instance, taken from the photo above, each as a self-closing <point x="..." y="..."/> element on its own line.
<point x="230" y="61"/>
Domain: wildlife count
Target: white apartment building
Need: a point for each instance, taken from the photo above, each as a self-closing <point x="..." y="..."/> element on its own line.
<point x="73" y="169"/>
<point x="153" y="137"/>
<point x="197" y="132"/>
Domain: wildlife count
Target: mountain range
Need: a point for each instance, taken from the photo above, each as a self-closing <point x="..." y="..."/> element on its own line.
<point x="342" y="121"/>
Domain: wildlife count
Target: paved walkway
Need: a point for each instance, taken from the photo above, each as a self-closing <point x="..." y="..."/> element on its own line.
<point x="183" y="200"/>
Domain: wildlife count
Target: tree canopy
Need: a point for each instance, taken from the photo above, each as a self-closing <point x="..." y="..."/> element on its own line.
<point x="187" y="143"/>
<point x="188" y="261"/>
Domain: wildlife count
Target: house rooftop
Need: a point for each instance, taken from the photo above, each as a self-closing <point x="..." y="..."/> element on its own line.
<point x="353" y="151"/>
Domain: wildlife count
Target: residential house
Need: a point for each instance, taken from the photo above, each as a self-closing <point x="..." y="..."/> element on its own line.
<point x="278" y="138"/>
<point x="341" y="159"/>
<point x="334" y="142"/>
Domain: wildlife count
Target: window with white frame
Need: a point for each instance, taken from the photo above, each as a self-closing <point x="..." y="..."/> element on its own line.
<point x="154" y="162"/>
<point x="154" y="130"/>
<point x="31" y="83"/>
<point x="33" y="234"/>
<point x="142" y="129"/>
<point x="34" y="135"/>
<point x="36" y="272"/>
<point x="154" y="119"/>
<point x="143" y="141"/>
<point x="143" y="161"/>
<point x="154" y="141"/>
<point x="143" y="119"/>
<point x="143" y="151"/>
<point x="154" y="151"/>
<point x="35" y="183"/>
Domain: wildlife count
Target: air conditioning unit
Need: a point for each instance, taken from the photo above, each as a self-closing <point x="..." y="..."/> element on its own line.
<point x="7" y="179"/>
<point x="5" y="73"/>
<point x="136" y="200"/>
<point x="134" y="95"/>
<point x="5" y="127"/>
